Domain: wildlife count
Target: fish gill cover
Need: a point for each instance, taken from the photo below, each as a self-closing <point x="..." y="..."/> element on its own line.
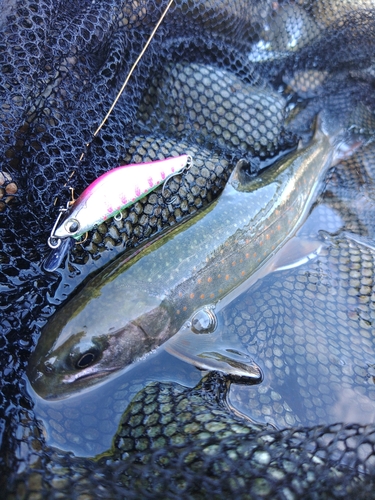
<point x="218" y="82"/>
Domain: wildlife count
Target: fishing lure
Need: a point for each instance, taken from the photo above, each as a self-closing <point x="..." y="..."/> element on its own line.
<point x="74" y="227"/>
<point x="112" y="192"/>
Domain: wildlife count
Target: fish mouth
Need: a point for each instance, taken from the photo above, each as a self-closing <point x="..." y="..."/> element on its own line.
<point x="68" y="385"/>
<point x="88" y="374"/>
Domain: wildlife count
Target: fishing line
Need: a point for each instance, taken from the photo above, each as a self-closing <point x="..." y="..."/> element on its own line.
<point x="130" y="74"/>
<point x="135" y="64"/>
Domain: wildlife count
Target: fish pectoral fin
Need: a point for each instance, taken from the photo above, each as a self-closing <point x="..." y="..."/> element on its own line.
<point x="230" y="363"/>
<point x="202" y="351"/>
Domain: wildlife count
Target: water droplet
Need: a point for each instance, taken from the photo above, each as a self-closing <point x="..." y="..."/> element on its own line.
<point x="204" y="321"/>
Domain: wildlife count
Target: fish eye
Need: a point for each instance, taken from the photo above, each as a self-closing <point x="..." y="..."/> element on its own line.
<point x="86" y="359"/>
<point x="72" y="226"/>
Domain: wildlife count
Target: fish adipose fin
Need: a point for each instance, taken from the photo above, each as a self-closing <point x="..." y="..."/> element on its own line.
<point x="347" y="132"/>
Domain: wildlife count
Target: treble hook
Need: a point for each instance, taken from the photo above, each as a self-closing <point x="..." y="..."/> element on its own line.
<point x="189" y="164"/>
<point x="84" y="238"/>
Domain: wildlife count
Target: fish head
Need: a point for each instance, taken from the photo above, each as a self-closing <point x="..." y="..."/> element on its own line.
<point x="87" y="343"/>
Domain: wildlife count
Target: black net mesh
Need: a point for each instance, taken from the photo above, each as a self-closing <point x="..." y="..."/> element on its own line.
<point x="222" y="80"/>
<point x="205" y="452"/>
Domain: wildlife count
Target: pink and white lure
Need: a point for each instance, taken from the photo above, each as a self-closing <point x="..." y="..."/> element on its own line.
<point x="113" y="191"/>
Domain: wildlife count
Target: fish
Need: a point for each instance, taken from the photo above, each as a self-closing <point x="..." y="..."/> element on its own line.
<point x="310" y="329"/>
<point x="144" y="298"/>
<point x="115" y="190"/>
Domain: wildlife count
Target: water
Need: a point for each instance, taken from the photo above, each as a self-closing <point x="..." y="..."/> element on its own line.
<point x="86" y="423"/>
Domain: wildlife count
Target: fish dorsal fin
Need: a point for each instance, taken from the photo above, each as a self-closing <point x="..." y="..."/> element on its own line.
<point x="239" y="177"/>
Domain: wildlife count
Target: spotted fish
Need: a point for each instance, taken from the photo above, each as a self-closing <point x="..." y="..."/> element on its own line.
<point x="141" y="300"/>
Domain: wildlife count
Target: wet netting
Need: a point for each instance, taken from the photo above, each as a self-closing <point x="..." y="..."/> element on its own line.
<point x="222" y="80"/>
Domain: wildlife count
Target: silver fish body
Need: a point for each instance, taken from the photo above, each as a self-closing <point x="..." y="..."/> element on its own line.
<point x="141" y="300"/>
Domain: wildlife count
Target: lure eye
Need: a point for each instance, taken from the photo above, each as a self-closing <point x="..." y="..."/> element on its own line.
<point x="86" y="359"/>
<point x="72" y="226"/>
